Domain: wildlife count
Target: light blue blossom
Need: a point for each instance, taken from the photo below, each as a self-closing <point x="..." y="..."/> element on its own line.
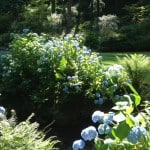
<point x="77" y="88"/>
<point x="2" y="110"/>
<point x="69" y="78"/>
<point x="104" y="129"/>
<point x="114" y="70"/>
<point x="105" y="83"/>
<point x="78" y="145"/>
<point x="85" y="48"/>
<point x="74" y="77"/>
<point x="89" y="133"/>
<point x="49" y="44"/>
<point x="25" y="31"/>
<point x="39" y="70"/>
<point x="99" y="101"/>
<point x="108" y="119"/>
<point x="87" y="53"/>
<point x="97" y="116"/>
<point x="98" y="95"/>
<point x="100" y="57"/>
<point x="129" y="81"/>
<point x="75" y="43"/>
<point x="65" y="89"/>
<point x="117" y="97"/>
<point x="136" y="133"/>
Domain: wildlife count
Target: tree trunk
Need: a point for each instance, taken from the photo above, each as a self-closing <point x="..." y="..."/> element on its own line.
<point x="53" y="6"/>
<point x="69" y="16"/>
<point x="98" y="9"/>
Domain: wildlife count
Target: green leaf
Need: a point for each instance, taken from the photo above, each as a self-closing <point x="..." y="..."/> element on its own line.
<point x="63" y="64"/>
<point x="98" y="144"/>
<point x="129" y="110"/>
<point x="129" y="121"/>
<point x="122" y="130"/>
<point x="58" y="76"/>
<point x="136" y="99"/>
<point x="132" y="88"/>
<point x="135" y="96"/>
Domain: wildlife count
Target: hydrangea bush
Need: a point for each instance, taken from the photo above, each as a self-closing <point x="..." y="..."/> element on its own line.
<point x="41" y="69"/>
<point x="121" y="128"/>
<point x="40" y="64"/>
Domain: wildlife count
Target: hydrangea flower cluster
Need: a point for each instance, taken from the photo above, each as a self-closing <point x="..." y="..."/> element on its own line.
<point x="104" y="129"/>
<point x="115" y="70"/>
<point x="89" y="133"/>
<point x="99" y="100"/>
<point x="78" y="144"/>
<point x="136" y="134"/>
<point x="99" y="116"/>
<point x="2" y="110"/>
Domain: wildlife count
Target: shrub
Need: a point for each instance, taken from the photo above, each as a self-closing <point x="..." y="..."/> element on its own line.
<point x="59" y="73"/>
<point x="24" y="136"/>
<point x="136" y="65"/>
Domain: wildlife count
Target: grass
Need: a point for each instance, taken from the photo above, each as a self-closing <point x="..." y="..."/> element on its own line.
<point x="110" y="58"/>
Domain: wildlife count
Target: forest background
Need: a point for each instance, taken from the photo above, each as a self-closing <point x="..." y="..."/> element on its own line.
<point x="109" y="25"/>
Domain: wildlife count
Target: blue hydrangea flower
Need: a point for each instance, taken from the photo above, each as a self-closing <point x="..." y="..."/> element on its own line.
<point x="75" y="43"/>
<point x="25" y="31"/>
<point x="104" y="129"/>
<point x="78" y="145"/>
<point x="65" y="89"/>
<point x="98" y="95"/>
<point x="105" y="83"/>
<point x="89" y="133"/>
<point x="77" y="88"/>
<point x="2" y="110"/>
<point x="100" y="57"/>
<point x="49" y="44"/>
<point x="108" y="119"/>
<point x="117" y="97"/>
<point x="97" y="116"/>
<point x="99" y="101"/>
<point x="69" y="78"/>
<point x="136" y="133"/>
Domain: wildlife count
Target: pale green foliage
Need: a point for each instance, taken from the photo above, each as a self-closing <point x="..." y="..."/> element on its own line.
<point x="136" y="65"/>
<point x="24" y="136"/>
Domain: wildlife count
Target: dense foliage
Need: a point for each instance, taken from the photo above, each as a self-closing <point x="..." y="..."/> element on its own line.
<point x="24" y="135"/>
<point x="57" y="72"/>
<point x="118" y="129"/>
<point x="58" y="17"/>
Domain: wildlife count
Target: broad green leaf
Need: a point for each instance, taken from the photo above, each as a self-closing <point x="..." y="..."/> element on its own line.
<point x="122" y="130"/>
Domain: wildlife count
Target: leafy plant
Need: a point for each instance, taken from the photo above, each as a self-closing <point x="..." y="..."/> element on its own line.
<point x="24" y="135"/>
<point x="136" y="65"/>
<point x="57" y="72"/>
<point x="120" y="128"/>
